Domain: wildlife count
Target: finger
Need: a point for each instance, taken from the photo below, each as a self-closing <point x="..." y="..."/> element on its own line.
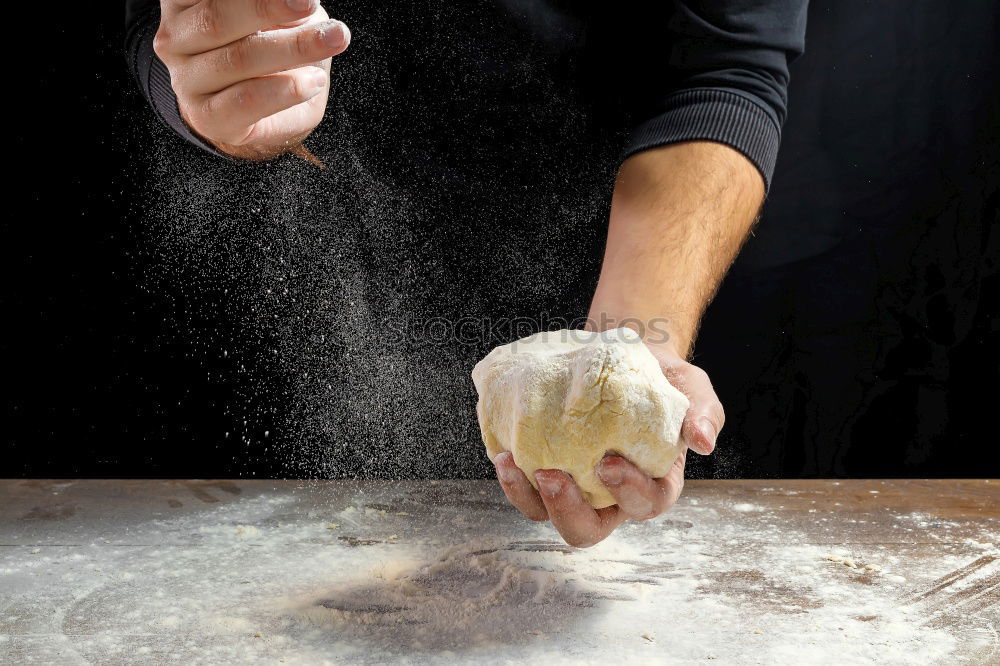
<point x="577" y="522"/>
<point x="673" y="483"/>
<point x="231" y="116"/>
<point x="266" y="53"/>
<point x="209" y="24"/>
<point x="705" y="416"/>
<point x="287" y="128"/>
<point x="518" y="489"/>
<point x="638" y="496"/>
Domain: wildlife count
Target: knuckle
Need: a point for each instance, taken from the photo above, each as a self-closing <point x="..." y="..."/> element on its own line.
<point x="656" y="508"/>
<point x="207" y="19"/>
<point x="162" y="43"/>
<point x="238" y="55"/>
<point x="697" y="373"/>
<point x="208" y="108"/>
<point x="264" y="8"/>
<point x="295" y="88"/>
<point x="648" y="512"/>
<point x="303" y="42"/>
<point x="244" y="97"/>
<point x="197" y="117"/>
<point x="207" y="119"/>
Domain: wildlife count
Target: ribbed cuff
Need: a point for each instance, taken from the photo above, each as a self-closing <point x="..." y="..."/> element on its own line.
<point x="716" y="115"/>
<point x="155" y="80"/>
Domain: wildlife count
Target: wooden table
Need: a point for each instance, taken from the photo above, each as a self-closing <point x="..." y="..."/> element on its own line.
<point x="861" y="571"/>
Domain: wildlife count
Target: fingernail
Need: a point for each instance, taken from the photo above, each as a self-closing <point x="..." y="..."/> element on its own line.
<point x="333" y="33"/>
<point x="299" y="5"/>
<point x="707" y="429"/>
<point x="317" y="79"/>
<point x="506" y="473"/>
<point x="611" y="474"/>
<point x="548" y="486"/>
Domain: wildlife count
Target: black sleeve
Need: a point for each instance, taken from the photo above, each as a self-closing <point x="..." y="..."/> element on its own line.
<point x="723" y="76"/>
<point x="142" y="18"/>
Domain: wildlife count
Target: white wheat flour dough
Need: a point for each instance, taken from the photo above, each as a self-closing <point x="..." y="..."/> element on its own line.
<point x="563" y="399"/>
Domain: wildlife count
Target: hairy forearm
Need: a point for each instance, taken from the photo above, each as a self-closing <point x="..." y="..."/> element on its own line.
<point x="679" y="216"/>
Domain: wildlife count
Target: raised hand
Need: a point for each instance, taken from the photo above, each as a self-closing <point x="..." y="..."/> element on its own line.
<point x="251" y="76"/>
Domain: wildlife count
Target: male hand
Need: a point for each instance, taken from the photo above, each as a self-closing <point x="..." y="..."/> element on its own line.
<point x="679" y="214"/>
<point x="639" y="496"/>
<point x="251" y="76"/>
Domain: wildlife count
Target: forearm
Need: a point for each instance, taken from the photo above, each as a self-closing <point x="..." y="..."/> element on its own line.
<point x="679" y="215"/>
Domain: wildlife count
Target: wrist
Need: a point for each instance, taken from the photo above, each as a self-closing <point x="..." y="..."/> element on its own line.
<point x="665" y="336"/>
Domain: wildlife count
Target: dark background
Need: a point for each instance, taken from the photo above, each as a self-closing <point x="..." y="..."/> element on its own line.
<point x="168" y="314"/>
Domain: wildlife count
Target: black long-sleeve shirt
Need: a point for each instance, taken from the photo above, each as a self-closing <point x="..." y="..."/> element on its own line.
<point x="713" y="70"/>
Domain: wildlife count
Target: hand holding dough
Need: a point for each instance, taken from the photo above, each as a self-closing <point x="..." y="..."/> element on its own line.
<point x="563" y="399"/>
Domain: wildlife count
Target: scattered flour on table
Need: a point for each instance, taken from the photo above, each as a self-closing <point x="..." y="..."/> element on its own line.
<point x="266" y="579"/>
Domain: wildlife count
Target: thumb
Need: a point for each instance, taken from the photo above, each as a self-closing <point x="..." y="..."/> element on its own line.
<point x="705" y="416"/>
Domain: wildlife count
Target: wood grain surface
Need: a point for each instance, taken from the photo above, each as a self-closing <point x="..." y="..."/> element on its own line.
<point x="942" y="536"/>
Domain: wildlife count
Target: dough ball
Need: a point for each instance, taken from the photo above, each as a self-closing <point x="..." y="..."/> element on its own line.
<point x="563" y="399"/>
